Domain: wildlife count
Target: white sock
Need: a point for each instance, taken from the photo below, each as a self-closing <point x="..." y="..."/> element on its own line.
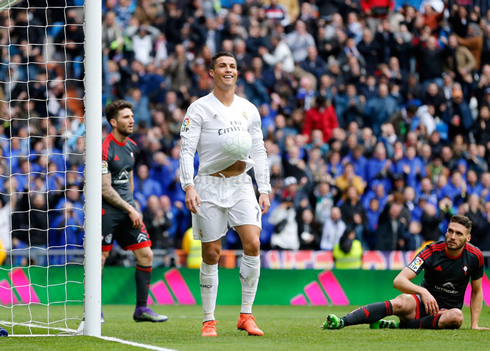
<point x="209" y="289"/>
<point x="249" y="276"/>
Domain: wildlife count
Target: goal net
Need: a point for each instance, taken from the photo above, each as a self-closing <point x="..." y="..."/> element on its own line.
<point x="42" y="166"/>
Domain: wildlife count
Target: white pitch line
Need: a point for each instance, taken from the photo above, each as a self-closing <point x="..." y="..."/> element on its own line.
<point x="107" y="338"/>
<point x="143" y="346"/>
<point x="36" y="326"/>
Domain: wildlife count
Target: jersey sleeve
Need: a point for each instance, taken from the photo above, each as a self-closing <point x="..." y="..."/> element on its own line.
<point x="422" y="260"/>
<point x="106" y="157"/>
<point x="190" y="133"/>
<point x="477" y="271"/>
<point x="259" y="155"/>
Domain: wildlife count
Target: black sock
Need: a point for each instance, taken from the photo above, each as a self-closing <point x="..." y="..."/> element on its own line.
<point x="427" y="322"/>
<point x="143" y="276"/>
<point x="369" y="314"/>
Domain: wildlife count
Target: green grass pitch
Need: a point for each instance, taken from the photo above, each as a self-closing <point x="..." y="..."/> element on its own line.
<point x="285" y="327"/>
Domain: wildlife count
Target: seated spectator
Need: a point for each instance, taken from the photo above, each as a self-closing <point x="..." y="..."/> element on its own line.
<point x="144" y="186"/>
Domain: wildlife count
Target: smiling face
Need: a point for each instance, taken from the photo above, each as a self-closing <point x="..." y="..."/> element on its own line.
<point x="224" y="72"/>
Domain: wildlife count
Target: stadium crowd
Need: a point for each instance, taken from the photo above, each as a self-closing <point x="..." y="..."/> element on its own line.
<point x="376" y="113"/>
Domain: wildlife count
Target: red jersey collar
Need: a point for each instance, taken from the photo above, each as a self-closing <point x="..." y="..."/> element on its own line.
<point x="117" y="142"/>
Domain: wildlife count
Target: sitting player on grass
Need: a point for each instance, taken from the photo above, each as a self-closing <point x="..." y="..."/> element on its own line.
<point x="437" y="302"/>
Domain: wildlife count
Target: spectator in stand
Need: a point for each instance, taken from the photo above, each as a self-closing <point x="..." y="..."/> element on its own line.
<point x="333" y="229"/>
<point x="392" y="233"/>
<point x="309" y="230"/>
<point x="379" y="109"/>
<point x="458" y="115"/>
<point x="321" y="116"/>
<point x="144" y="186"/>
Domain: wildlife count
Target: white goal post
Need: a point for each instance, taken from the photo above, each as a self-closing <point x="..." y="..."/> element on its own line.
<point x="26" y="286"/>
<point x="93" y="173"/>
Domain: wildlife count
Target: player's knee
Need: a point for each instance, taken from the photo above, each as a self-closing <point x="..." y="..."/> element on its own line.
<point x="398" y="304"/>
<point x="252" y="246"/>
<point x="211" y="255"/>
<point x="452" y="319"/>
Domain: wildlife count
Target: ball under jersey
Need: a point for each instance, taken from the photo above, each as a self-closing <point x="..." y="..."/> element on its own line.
<point x="447" y="277"/>
<point x="118" y="160"/>
<point x="222" y="135"/>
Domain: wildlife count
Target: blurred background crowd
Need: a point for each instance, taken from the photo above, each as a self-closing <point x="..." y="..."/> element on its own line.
<point x="375" y="114"/>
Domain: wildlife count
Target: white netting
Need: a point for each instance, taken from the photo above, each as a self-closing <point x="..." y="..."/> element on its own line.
<point x="41" y="166"/>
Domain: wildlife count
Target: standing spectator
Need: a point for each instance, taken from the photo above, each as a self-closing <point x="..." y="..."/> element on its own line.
<point x="299" y="41"/>
<point x="321" y="116"/>
<point x="333" y="229"/>
<point x="347" y="180"/>
<point x="309" y="231"/>
<point x="285" y="235"/>
<point x="379" y="109"/>
<point x="458" y="115"/>
<point x="158" y="222"/>
<point x="370" y="50"/>
<point x="391" y="234"/>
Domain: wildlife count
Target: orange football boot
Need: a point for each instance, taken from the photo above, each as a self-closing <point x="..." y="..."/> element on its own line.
<point x="247" y="322"/>
<point x="209" y="328"/>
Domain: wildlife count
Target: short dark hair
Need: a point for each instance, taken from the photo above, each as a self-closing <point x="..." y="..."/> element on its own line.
<point x="221" y="54"/>
<point x="463" y="220"/>
<point x="112" y="110"/>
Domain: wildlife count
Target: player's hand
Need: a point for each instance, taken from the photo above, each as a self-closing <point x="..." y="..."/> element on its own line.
<point x="264" y="203"/>
<point x="430" y="303"/>
<point x="192" y="200"/>
<point x="479" y="328"/>
<point x="136" y="219"/>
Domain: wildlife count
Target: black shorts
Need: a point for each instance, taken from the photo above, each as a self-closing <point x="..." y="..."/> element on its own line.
<point x="420" y="311"/>
<point x="119" y="227"/>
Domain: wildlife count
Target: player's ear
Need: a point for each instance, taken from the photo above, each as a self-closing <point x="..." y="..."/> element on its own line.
<point x="211" y="73"/>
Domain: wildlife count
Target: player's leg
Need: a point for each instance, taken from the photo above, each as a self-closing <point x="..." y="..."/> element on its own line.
<point x="209" y="225"/>
<point x="245" y="218"/>
<point x="403" y="305"/>
<point x="444" y="319"/>
<point x="109" y="226"/>
<point x="138" y="241"/>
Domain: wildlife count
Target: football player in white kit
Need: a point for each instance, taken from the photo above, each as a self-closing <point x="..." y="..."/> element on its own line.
<point x="225" y="129"/>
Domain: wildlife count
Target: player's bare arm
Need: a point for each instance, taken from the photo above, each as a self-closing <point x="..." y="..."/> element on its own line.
<point x="111" y="196"/>
<point x="403" y="282"/>
<point x="192" y="201"/>
<point x="476" y="303"/>
<point x="131" y="182"/>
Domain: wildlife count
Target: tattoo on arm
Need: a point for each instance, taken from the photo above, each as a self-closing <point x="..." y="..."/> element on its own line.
<point x="111" y="196"/>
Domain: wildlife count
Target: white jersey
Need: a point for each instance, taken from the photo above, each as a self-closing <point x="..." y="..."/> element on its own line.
<point x="222" y="135"/>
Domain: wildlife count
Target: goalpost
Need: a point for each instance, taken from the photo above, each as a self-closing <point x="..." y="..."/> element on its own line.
<point x="50" y="183"/>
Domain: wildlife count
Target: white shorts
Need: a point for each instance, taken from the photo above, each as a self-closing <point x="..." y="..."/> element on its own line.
<point x="224" y="200"/>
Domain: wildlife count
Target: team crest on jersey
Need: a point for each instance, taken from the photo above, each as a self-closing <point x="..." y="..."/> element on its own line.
<point x="132" y="155"/>
<point x="108" y="239"/>
<point x="416" y="264"/>
<point x="465" y="269"/>
<point x="244" y="114"/>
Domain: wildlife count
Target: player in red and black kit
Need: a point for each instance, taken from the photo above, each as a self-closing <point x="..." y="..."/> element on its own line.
<point x="436" y="303"/>
<point x="120" y="219"/>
